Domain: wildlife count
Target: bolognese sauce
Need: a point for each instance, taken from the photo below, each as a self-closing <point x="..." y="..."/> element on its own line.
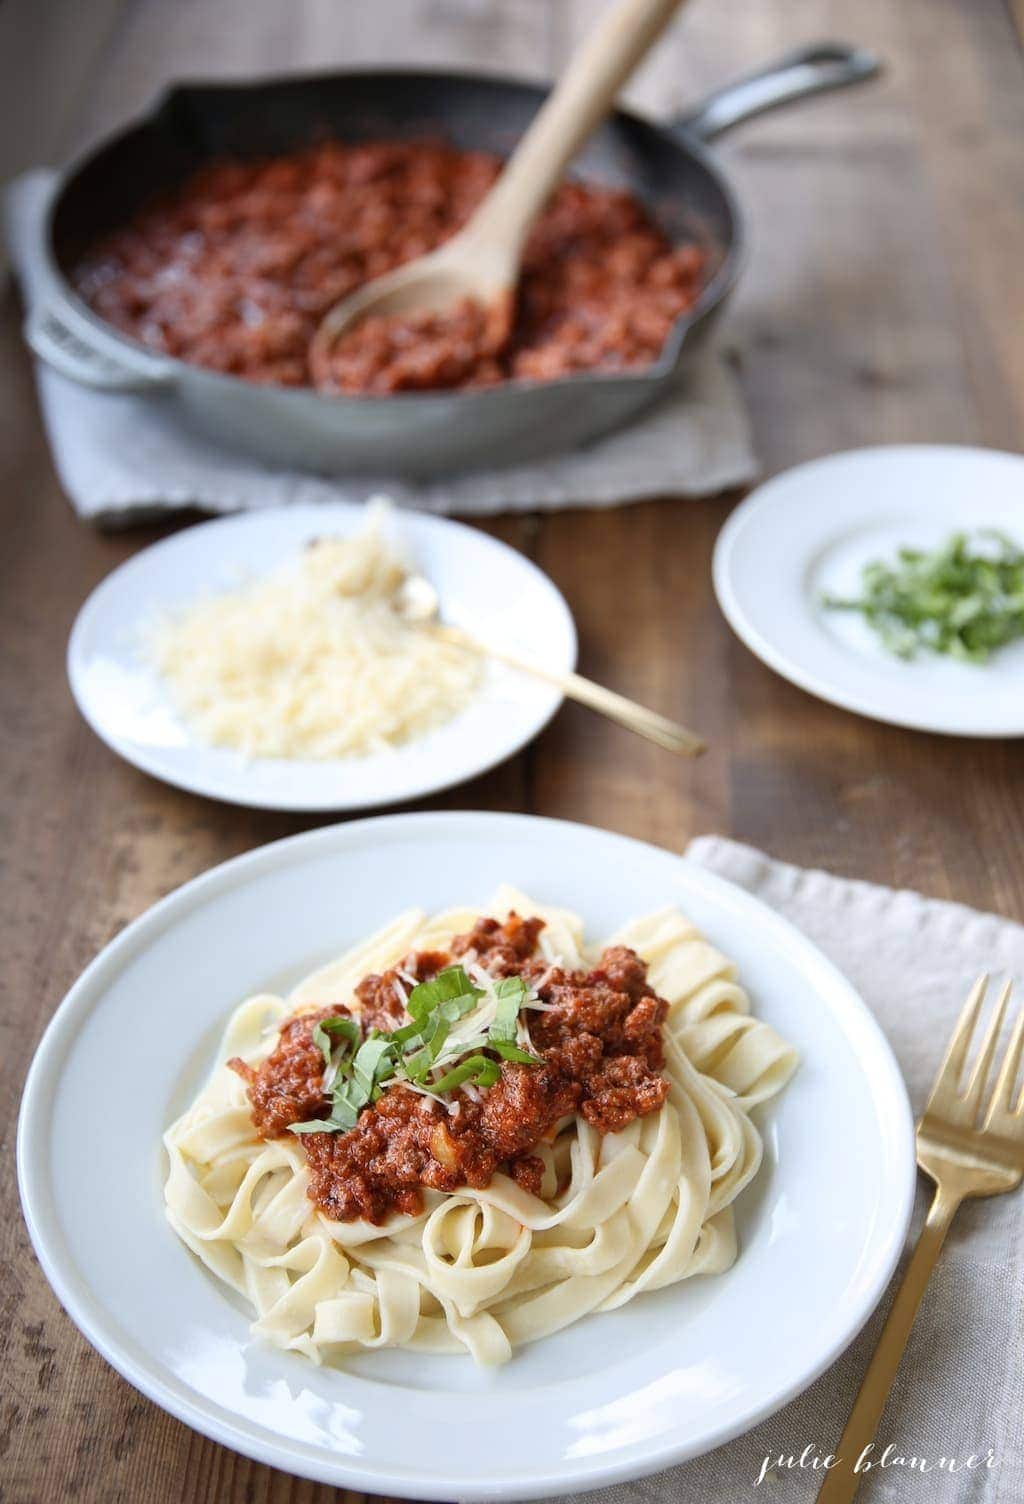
<point x="235" y="269"/>
<point x="599" y="1054"/>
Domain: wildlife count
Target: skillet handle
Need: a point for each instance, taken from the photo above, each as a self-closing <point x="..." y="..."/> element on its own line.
<point x="798" y="75"/>
<point x="77" y="357"/>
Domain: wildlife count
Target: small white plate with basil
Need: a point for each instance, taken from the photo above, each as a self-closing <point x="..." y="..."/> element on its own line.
<point x="889" y="581"/>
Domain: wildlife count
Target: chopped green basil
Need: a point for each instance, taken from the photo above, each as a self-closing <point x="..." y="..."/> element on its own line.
<point x="413" y="1052"/>
<point x="509" y="1051"/>
<point x="965" y="599"/>
<point x="339" y="1024"/>
<point x="347" y="1102"/>
<point x="511" y="993"/>
<point x="374" y="1062"/>
<point x="451" y="985"/>
<point x="477" y="1070"/>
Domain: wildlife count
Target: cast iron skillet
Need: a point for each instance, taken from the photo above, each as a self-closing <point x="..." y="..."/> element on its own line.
<point x="412" y="434"/>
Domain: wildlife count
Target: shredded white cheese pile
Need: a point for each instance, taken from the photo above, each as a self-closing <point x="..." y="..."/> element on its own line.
<point x="312" y="660"/>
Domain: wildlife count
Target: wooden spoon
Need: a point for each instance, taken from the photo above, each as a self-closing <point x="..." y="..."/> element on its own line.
<point x="481" y="262"/>
<point x="418" y="602"/>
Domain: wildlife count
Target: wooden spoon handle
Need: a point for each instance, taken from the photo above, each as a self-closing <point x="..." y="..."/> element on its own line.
<point x="582" y="98"/>
<point x="647" y="723"/>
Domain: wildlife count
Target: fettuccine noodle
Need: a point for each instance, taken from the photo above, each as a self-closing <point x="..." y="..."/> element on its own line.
<point x="484" y="1271"/>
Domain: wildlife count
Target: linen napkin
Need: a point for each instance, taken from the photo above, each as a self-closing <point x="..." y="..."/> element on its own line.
<point x="123" y="458"/>
<point x="960" y="1389"/>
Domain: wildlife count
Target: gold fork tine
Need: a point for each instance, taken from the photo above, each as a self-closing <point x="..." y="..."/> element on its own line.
<point x="1001" y="1108"/>
<point x="972" y="1096"/>
<point x="946" y="1090"/>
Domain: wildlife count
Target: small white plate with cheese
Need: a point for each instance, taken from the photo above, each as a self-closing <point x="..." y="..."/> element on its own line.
<point x="248" y="659"/>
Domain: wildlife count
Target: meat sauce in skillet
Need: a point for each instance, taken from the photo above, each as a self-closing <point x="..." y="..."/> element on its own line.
<point x="234" y="270"/>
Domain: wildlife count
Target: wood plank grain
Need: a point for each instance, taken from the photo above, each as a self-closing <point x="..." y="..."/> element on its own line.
<point x="48" y="54"/>
<point x="880" y="302"/>
<point x="1017" y="16"/>
<point x="236" y="39"/>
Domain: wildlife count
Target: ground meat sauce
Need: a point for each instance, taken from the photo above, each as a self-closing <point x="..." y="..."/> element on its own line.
<point x="459" y="347"/>
<point x="501" y="949"/>
<point x="381" y="999"/>
<point x="601" y="1048"/>
<point x="235" y="269"/>
<point x="288" y="1088"/>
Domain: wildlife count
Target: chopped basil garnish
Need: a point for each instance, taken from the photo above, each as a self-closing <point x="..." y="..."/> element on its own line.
<point x="509" y="1051"/>
<point x="356" y="1069"/>
<point x="511" y="993"/>
<point x="477" y="1070"/>
<point x="347" y="1101"/>
<point x="340" y="1024"/>
<point x="965" y="599"/>
<point x="449" y="986"/>
<point x="374" y="1062"/>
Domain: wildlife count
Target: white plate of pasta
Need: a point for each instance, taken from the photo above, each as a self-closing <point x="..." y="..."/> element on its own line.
<point x="465" y="1120"/>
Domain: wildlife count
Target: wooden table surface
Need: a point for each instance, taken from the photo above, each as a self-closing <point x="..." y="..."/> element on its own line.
<point x="883" y="301"/>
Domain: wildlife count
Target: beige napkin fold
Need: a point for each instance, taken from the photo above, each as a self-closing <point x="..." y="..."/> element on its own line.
<point x="961" y="1387"/>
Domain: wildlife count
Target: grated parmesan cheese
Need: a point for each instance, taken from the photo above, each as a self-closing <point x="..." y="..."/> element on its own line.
<point x="312" y="660"/>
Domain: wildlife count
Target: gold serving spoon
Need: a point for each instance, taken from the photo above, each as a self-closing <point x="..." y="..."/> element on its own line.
<point x="481" y="262"/>
<point x="966" y="1154"/>
<point x="418" y="602"/>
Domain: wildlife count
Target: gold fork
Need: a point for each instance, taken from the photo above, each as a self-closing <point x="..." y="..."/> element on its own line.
<point x="963" y="1160"/>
